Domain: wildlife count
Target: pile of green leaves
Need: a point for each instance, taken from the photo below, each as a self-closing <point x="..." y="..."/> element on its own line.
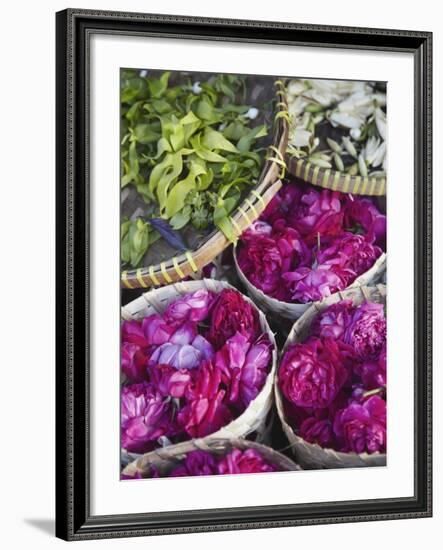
<point x="189" y="151"/>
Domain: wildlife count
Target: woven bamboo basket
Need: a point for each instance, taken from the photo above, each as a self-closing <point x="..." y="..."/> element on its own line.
<point x="178" y="267"/>
<point x="335" y="180"/>
<point x="253" y="419"/>
<point x="310" y="455"/>
<point x="294" y="311"/>
<point x="167" y="458"/>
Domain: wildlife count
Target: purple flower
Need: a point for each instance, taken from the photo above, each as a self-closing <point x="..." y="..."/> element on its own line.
<point x="351" y="252"/>
<point x="363" y="213"/>
<point x="244" y="368"/>
<point x="261" y="261"/>
<point x="309" y="285"/>
<point x="311" y="374"/>
<point x="318" y="213"/>
<point x="314" y="430"/>
<point x="144" y="417"/>
<point x="132" y="333"/>
<point x="185" y="334"/>
<point x="366" y="332"/>
<point x="257" y="229"/>
<point x="187" y="356"/>
<point x="157" y="331"/>
<point x="362" y="427"/>
<point x="249" y="461"/>
<point x="231" y="314"/>
<point x="205" y="411"/>
<point x="333" y="321"/>
<point x="196" y="463"/>
<point x="133" y="361"/>
<point x="191" y="307"/>
<point x="169" y="381"/>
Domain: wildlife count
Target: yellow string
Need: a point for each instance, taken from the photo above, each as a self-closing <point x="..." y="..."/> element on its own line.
<point x="177" y="268"/>
<point x="252" y="207"/>
<point x="165" y="273"/>
<point x="259" y="197"/>
<point x="153" y="276"/>
<point x="140" y="278"/>
<point x="191" y="261"/>
<point x="125" y="279"/>
<point x="243" y="213"/>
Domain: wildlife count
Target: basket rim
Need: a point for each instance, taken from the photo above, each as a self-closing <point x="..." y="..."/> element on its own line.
<point x="177" y="267"/>
<point x="335" y="180"/>
<point x="183" y="287"/>
<point x="317" y="307"/>
<point x="178" y="452"/>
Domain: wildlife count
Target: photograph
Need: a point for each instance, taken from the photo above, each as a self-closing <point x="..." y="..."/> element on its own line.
<point x="270" y="354"/>
<point x="244" y="282"/>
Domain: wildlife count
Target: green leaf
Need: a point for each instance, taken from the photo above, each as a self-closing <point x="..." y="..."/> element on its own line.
<point x="144" y="134"/>
<point x="222" y="221"/>
<point x="179" y="220"/>
<point x="215" y="140"/>
<point x="133" y="160"/>
<point x="176" y="198"/>
<point x="158" y="86"/>
<point x="245" y="143"/>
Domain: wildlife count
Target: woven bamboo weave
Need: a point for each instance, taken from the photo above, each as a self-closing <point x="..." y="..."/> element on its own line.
<point x="310" y="455"/>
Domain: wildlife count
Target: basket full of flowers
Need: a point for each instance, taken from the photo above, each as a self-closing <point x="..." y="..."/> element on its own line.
<point x="309" y="244"/>
<point x="337" y="134"/>
<point x="211" y="457"/>
<point x="198" y="361"/>
<point x="331" y="382"/>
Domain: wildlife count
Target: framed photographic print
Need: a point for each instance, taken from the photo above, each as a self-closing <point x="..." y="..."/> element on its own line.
<point x="243" y="274"/>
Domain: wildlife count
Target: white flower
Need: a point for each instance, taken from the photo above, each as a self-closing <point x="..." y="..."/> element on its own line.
<point x="380" y="121"/>
<point x="143" y="73"/>
<point x="345" y="119"/>
<point x="297" y="106"/>
<point x="374" y="151"/>
<point x="355" y="133"/>
<point x="300" y="137"/>
<point x="296" y="87"/>
<point x="196" y="88"/>
<point x="252" y="113"/>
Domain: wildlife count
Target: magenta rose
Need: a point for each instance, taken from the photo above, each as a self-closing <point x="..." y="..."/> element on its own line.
<point x="133" y="333"/>
<point x="362" y="427"/>
<point x="318" y="213"/>
<point x="249" y="461"/>
<point x="196" y="463"/>
<point x="244" y="368"/>
<point x="145" y="416"/>
<point x="169" y="381"/>
<point x="157" y="331"/>
<point x="314" y="430"/>
<point x="349" y="251"/>
<point x="194" y="307"/>
<point x="366" y="332"/>
<point x="231" y="314"/>
<point x="133" y="361"/>
<point x="312" y="373"/>
<point x="333" y="321"/>
<point x="204" y="416"/>
<point x="287" y="198"/>
<point x="362" y="214"/>
<point x="261" y="261"/>
<point x="310" y="285"/>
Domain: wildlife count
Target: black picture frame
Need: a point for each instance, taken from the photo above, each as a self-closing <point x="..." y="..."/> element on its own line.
<point x="74" y="28"/>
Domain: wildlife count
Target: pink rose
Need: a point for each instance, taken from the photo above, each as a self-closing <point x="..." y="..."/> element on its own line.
<point x="362" y="427"/>
<point x="351" y="252"/>
<point x="231" y="314"/>
<point x="366" y="332"/>
<point x="310" y="285"/>
<point x="333" y="321"/>
<point x="245" y="462"/>
<point x="312" y="373"/>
